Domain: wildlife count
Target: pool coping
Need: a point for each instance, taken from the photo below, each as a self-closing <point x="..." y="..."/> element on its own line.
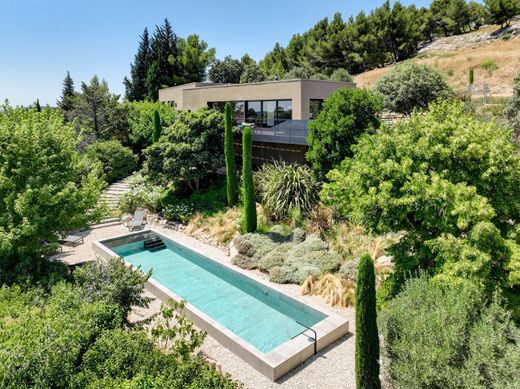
<point x="274" y="364"/>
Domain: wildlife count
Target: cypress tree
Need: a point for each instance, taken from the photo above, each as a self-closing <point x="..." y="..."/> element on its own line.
<point x="367" y="341"/>
<point x="37" y="106"/>
<point x="156" y="126"/>
<point x="248" y="189"/>
<point x="136" y="88"/>
<point x="231" y="169"/>
<point x="471" y="76"/>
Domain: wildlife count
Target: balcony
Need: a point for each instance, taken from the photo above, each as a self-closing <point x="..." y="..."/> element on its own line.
<point x="293" y="132"/>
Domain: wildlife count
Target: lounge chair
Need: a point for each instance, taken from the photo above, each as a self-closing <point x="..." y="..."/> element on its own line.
<point x="137" y="221"/>
<point x="73" y="239"/>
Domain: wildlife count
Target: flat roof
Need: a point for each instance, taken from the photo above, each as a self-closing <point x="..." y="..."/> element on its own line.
<point x="207" y="85"/>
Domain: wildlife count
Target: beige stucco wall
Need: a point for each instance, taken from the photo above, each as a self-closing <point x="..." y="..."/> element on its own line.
<point x="196" y="95"/>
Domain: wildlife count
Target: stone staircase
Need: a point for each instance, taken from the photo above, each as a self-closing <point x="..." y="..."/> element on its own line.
<point x="113" y="193"/>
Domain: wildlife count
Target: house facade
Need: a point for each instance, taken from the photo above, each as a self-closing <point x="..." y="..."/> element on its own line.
<point x="277" y="111"/>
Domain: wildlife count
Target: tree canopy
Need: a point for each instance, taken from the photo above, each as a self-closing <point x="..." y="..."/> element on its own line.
<point x="451" y="183"/>
<point x="164" y="60"/>
<point x="189" y="150"/>
<point x="410" y="86"/>
<point x="346" y="114"/>
<point x="44" y="190"/>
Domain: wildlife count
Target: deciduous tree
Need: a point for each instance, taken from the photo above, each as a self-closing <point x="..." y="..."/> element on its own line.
<point x="346" y="114"/>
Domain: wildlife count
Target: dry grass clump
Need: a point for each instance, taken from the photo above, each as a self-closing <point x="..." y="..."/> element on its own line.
<point x="334" y="290"/>
<point x="351" y="241"/>
<point x="221" y="227"/>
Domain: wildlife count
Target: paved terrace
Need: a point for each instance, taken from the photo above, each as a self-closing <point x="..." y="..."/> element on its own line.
<point x="332" y="367"/>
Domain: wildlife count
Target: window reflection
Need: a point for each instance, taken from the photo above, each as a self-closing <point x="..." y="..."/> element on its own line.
<point x="267" y="113"/>
<point x="315" y="108"/>
<point x="269" y="110"/>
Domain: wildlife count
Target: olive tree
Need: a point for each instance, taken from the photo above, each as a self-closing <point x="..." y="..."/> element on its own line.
<point x="410" y="86"/>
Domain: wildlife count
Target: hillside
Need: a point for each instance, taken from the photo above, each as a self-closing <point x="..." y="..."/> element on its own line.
<point x="494" y="55"/>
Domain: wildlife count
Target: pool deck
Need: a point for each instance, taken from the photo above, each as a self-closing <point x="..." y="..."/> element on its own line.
<point x="332" y="367"/>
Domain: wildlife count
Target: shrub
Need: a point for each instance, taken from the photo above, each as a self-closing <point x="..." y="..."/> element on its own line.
<point x="248" y="189"/>
<point x="319" y="76"/>
<point x="286" y="187"/>
<point x="116" y="160"/>
<point x="341" y="74"/>
<point x="446" y="179"/>
<point x="231" y="169"/>
<point x="320" y="220"/>
<point x="44" y="189"/>
<point x="180" y="212"/>
<point x="111" y="281"/>
<point x="156" y="126"/>
<point x="42" y="346"/>
<point x="410" y="86"/>
<point x="489" y="65"/>
<point x="287" y="257"/>
<point x="141" y="121"/>
<point x="142" y="196"/>
<point x="206" y="202"/>
<point x="447" y="336"/>
<point x="367" y="338"/>
<point x="347" y="113"/>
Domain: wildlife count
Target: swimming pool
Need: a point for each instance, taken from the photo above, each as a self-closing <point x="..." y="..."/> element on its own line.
<point x="262" y="320"/>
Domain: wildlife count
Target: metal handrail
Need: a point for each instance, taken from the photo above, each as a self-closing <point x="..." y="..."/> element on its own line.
<point x="315" y="339"/>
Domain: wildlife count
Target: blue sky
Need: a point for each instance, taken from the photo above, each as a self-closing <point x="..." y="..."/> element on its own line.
<point x="42" y="39"/>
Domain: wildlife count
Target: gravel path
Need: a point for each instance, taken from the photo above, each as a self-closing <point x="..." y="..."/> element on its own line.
<point x="332" y="367"/>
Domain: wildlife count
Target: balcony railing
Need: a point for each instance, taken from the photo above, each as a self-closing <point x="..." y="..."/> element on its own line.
<point x="292" y="132"/>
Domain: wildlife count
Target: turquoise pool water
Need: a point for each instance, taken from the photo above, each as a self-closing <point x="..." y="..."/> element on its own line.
<point x="258" y="314"/>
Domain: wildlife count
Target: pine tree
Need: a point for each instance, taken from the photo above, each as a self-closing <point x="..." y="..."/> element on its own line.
<point x="367" y="340"/>
<point x="68" y="95"/>
<point x="231" y="169"/>
<point x="248" y="189"/>
<point x="136" y="86"/>
<point x="37" y="106"/>
<point x="502" y="11"/>
<point x="156" y="134"/>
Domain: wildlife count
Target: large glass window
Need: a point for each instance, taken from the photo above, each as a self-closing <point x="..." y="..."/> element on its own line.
<point x="284" y="111"/>
<point x="254" y="112"/>
<point x="315" y="108"/>
<point x="268" y="113"/>
<point x="238" y="112"/>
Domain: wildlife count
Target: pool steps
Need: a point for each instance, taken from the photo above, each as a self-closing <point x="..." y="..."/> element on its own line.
<point x="154" y="244"/>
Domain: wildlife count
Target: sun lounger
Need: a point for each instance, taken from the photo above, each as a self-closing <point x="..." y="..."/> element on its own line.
<point x="72" y="239"/>
<point x="137" y="221"/>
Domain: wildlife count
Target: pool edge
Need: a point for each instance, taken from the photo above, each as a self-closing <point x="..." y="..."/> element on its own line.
<point x="274" y="364"/>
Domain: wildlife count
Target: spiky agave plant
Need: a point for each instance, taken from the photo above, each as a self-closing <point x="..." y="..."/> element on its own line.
<point x="284" y="187"/>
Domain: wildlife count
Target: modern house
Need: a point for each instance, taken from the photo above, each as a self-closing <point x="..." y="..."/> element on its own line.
<point x="277" y="111"/>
